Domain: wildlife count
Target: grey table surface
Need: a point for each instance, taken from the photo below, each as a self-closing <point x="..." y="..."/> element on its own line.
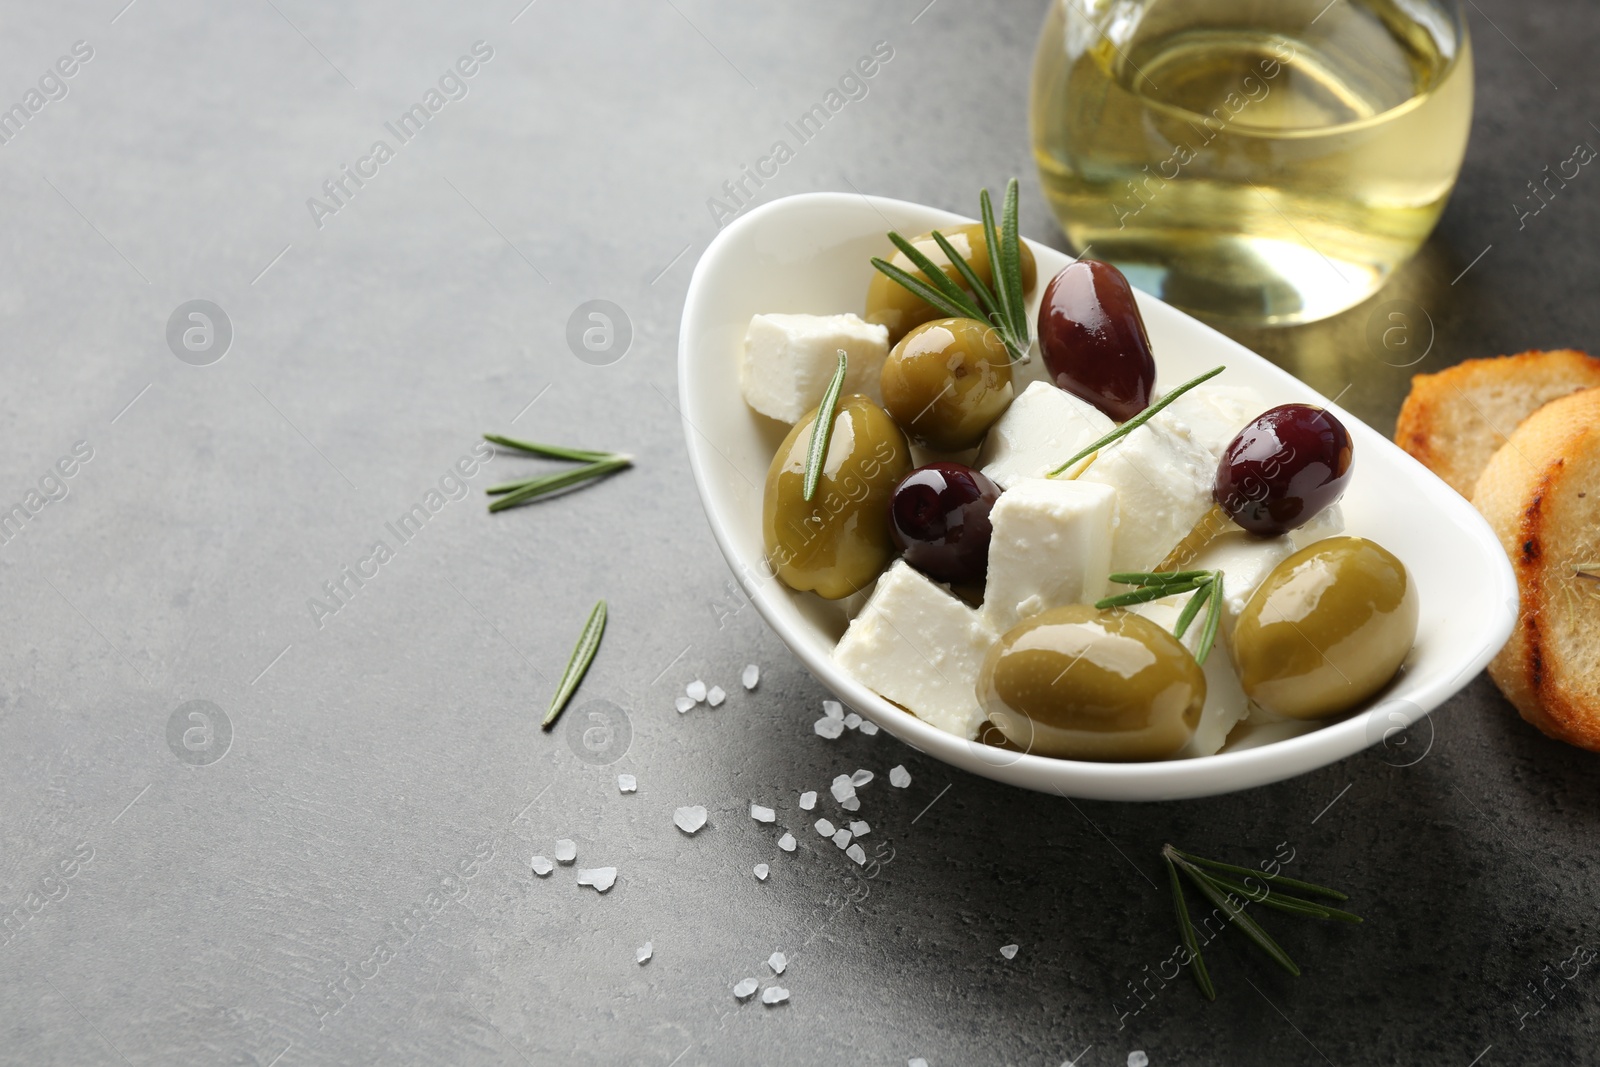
<point x="350" y="881"/>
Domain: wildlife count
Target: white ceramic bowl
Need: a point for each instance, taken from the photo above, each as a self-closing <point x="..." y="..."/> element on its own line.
<point x="810" y="253"/>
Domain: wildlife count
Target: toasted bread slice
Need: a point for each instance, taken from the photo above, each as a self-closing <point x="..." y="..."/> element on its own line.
<point x="1454" y="421"/>
<point x="1541" y="494"/>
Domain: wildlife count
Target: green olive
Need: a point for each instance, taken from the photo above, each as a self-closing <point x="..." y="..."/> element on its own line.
<point x="838" y="541"/>
<point x="1079" y="683"/>
<point x="1326" y="629"/>
<point x="892" y="305"/>
<point x="947" y="381"/>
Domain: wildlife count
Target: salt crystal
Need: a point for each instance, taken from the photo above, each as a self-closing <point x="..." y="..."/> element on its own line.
<point x="644" y="952"/>
<point x="1137" y="1058"/>
<point x="752" y="675"/>
<point x="868" y="727"/>
<point x="851" y="803"/>
<point x="542" y="867"/>
<point x="602" y="878"/>
<point x="696" y="690"/>
<point x="842" y="838"/>
<point x="842" y="789"/>
<point x="916" y="1061"/>
<point x="899" y="777"/>
<point x="860" y="829"/>
<point x="627" y="783"/>
<point x="861" y="778"/>
<point x="829" y="728"/>
<point x="777" y="961"/>
<point x="786" y="842"/>
<point x="566" y="851"/>
<point x="761" y="814"/>
<point x="690" y="819"/>
<point x="808" y="799"/>
<point x="683" y="704"/>
<point x="823" y="827"/>
<point x="852" y="721"/>
<point x="745" y="987"/>
<point x="774" y="994"/>
<point x="1008" y="951"/>
<point x="833" y="709"/>
<point x="762" y="870"/>
<point x="856" y="853"/>
<point x="716" y="696"/>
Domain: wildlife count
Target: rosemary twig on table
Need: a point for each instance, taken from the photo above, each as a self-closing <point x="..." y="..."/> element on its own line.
<point x="521" y="491"/>
<point x="1156" y="585"/>
<point x="582" y="655"/>
<point x="1138" y="420"/>
<point x="822" y="429"/>
<point x="1231" y="895"/>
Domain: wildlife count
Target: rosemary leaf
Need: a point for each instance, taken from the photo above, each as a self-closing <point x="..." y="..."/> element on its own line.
<point x="1145" y="595"/>
<point x="1201" y="594"/>
<point x="1208" y="635"/>
<point x="1251" y="929"/>
<point x="822" y="429"/>
<point x="920" y="288"/>
<point x="1155" y="577"/>
<point x="1197" y="965"/>
<point x="550" y="483"/>
<point x="992" y="241"/>
<point x="581" y="455"/>
<point x="1274" y="879"/>
<point x="1140" y="419"/>
<point x="1284" y="902"/>
<point x="582" y="655"/>
<point x="934" y="274"/>
<point x="1011" y="259"/>
<point x="985" y="298"/>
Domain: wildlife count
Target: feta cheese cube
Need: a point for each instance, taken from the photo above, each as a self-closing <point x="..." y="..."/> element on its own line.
<point x="1245" y="561"/>
<point x="1049" y="546"/>
<point x="1042" y="429"/>
<point x="1163" y="483"/>
<point x="789" y="360"/>
<point x="920" y="647"/>
<point x="1329" y="522"/>
<point x="1225" y="703"/>
<point x="1211" y="416"/>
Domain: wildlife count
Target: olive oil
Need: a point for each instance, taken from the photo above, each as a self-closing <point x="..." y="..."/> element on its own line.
<point x="1265" y="161"/>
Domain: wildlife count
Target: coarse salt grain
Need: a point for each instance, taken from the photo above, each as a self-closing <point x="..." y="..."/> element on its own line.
<point x="752" y="675"/>
<point x="859" y="828"/>
<point x="828" y="728"/>
<point x="716" y="696"/>
<point x="841" y="838"/>
<point x="786" y="842"/>
<point x="899" y="777"/>
<point x="690" y="819"/>
<point x="542" y="867"/>
<point x="762" y="870"/>
<point x="683" y="704"/>
<point x="852" y="721"/>
<point x="1008" y="951"/>
<point x="868" y="727"/>
<point x="777" y="961"/>
<point x="833" y="709"/>
<point x="745" y="987"/>
<point x="861" y="778"/>
<point x="857" y="853"/>
<point x="627" y="783"/>
<point x="761" y="814"/>
<point x="823" y="827"/>
<point x="1137" y="1058"/>
<point x="851" y="803"/>
<point x="774" y="994"/>
<point x="566" y="851"/>
<point x="696" y="690"/>
<point x="841" y="788"/>
<point x="808" y="799"/>
<point x="644" y="952"/>
<point x="602" y="878"/>
<point x="916" y="1061"/>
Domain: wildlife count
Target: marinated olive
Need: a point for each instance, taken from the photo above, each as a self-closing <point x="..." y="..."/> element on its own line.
<point x="1326" y="630"/>
<point x="1284" y="468"/>
<point x="1093" y="340"/>
<point x="947" y="381"/>
<point x="1079" y="683"/>
<point x="939" y="516"/>
<point x="838" y="541"/>
<point x="890" y="304"/>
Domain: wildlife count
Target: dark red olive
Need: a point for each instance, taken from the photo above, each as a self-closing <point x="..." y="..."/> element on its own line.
<point x="1093" y="339"/>
<point x="939" y="516"/>
<point x="1284" y="468"/>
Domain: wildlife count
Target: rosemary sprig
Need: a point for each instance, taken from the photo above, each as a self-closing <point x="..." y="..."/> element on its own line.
<point x="1138" y="420"/>
<point x="1226" y="894"/>
<point x="1003" y="306"/>
<point x="581" y="455"/>
<point x="582" y="655"/>
<point x="516" y="493"/>
<point x="822" y="429"/>
<point x="1156" y="585"/>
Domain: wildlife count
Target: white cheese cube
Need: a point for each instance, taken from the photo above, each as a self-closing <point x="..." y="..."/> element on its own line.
<point x="920" y="647"/>
<point x="1049" y="546"/>
<point x="1225" y="703"/>
<point x="1245" y="560"/>
<point x="1211" y="416"/>
<point x="1163" y="483"/>
<point x="790" y="359"/>
<point x="1042" y="429"/>
<point x="1329" y="522"/>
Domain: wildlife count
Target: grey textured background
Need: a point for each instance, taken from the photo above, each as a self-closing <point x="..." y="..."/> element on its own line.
<point x="374" y="755"/>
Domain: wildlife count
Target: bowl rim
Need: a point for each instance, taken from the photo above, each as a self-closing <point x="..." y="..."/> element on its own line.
<point x="1153" y="780"/>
